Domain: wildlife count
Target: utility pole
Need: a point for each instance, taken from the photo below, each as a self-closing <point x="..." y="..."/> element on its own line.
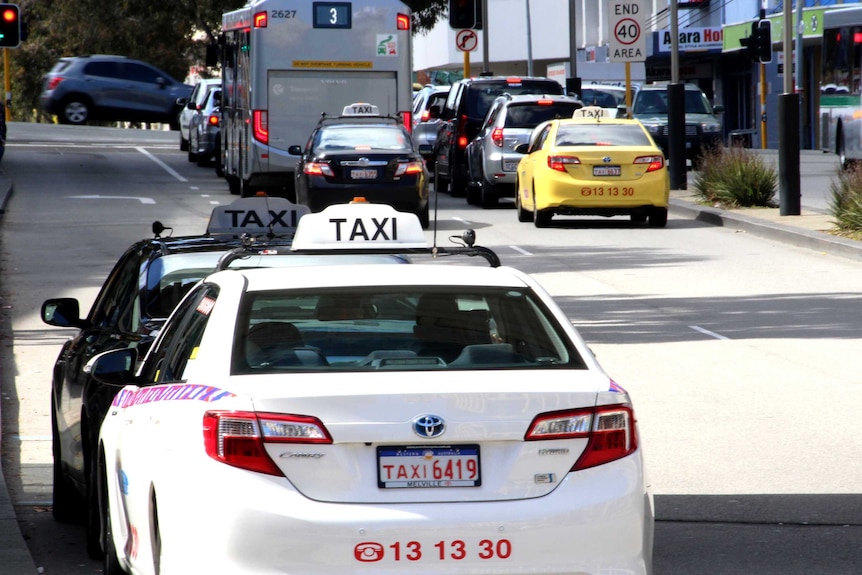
<point x="789" y="195"/>
<point x="676" y="110"/>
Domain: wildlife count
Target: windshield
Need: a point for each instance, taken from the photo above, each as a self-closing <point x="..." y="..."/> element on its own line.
<point x="654" y="102"/>
<point x="403" y="329"/>
<point x="372" y="137"/>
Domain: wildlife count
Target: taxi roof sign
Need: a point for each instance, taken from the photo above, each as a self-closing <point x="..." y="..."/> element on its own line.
<point x="257" y="215"/>
<point x="592" y="112"/>
<point x="360" y="109"/>
<point x="359" y="226"/>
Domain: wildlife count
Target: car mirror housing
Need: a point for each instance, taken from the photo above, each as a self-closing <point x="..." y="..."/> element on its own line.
<point x="115" y="367"/>
<point x="63" y="312"/>
<point x="294" y="150"/>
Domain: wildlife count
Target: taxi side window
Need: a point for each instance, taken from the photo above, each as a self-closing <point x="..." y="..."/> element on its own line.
<point x="181" y="337"/>
<point x="540" y="140"/>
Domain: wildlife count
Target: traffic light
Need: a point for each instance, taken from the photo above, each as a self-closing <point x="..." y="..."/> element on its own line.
<point x="465" y="14"/>
<point x="763" y="40"/>
<point x="10" y="26"/>
<point x="759" y="44"/>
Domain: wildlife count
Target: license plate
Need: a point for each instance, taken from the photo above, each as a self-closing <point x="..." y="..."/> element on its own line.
<point x="363" y="174"/>
<point x="424" y="467"/>
<point x="510" y="165"/>
<point x="606" y="171"/>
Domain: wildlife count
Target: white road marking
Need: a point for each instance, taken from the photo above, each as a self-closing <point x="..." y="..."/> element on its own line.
<point x="96" y="197"/>
<point x="521" y="251"/>
<point x="164" y="166"/>
<point x="707" y="332"/>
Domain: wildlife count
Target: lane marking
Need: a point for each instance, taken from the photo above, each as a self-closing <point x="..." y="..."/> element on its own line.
<point x="707" y="332"/>
<point x="521" y="251"/>
<point x="140" y="199"/>
<point x="164" y="166"/>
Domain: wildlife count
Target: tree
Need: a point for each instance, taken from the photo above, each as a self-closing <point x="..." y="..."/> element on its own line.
<point x="170" y="35"/>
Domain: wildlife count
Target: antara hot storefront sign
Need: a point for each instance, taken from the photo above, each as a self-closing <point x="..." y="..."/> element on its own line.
<point x="692" y="39"/>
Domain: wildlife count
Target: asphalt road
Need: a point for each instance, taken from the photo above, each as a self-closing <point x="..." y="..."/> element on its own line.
<point x="740" y="352"/>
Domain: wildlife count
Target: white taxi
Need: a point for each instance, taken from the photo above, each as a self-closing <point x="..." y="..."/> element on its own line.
<point x="432" y="417"/>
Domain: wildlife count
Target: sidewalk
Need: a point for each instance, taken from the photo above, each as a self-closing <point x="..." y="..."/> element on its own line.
<point x="807" y="230"/>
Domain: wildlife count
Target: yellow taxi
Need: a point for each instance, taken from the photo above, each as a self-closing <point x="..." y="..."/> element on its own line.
<point x="592" y="165"/>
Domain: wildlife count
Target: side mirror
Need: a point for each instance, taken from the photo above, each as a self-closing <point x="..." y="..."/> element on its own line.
<point x="718" y="109"/>
<point x="63" y="312"/>
<point x="434" y="112"/>
<point x="426" y="149"/>
<point x="115" y="367"/>
<point x="182" y="101"/>
<point x="294" y="150"/>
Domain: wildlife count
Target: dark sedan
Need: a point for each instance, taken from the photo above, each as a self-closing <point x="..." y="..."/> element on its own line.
<point x="137" y="297"/>
<point x="367" y="156"/>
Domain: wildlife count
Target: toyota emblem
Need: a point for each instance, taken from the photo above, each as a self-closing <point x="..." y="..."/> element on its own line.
<point x="429" y="426"/>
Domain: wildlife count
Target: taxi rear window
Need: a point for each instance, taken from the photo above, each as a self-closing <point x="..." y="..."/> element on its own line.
<point x="398" y="329"/>
<point x="350" y="138"/>
<point x="602" y="135"/>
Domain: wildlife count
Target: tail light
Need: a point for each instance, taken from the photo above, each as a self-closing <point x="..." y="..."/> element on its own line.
<point x="462" y="128"/>
<point x="318" y="169"/>
<point x="407" y="168"/>
<point x="497" y="137"/>
<point x="407" y="119"/>
<point x="655" y="162"/>
<point x="425" y="115"/>
<point x="559" y="163"/>
<point x="402" y="21"/>
<point x="54" y="82"/>
<point x="611" y="431"/>
<point x="260" y="20"/>
<point x="213" y="120"/>
<point x="261" y="126"/>
<point x="238" y="438"/>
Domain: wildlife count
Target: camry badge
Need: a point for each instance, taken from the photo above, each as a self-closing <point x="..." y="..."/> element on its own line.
<point x="429" y="426"/>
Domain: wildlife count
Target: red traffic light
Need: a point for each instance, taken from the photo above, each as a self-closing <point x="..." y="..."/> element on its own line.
<point x="10" y="26"/>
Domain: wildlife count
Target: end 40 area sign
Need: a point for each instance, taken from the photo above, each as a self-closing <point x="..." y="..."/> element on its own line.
<point x="627" y="38"/>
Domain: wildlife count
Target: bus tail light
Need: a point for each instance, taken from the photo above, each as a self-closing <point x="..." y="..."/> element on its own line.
<point x="611" y="431"/>
<point x="403" y="21"/>
<point x="237" y="438"/>
<point x="260" y="20"/>
<point x="407" y="119"/>
<point x="261" y="126"/>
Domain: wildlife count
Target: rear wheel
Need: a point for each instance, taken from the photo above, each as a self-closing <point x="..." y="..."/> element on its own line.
<point x="658" y="217"/>
<point x="76" y="111"/>
<point x="523" y="215"/>
<point x="542" y="218"/>
<point x="184" y="144"/>
<point x="489" y="195"/>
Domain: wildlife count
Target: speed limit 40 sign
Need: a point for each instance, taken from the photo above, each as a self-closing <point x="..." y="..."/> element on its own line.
<point x="627" y="37"/>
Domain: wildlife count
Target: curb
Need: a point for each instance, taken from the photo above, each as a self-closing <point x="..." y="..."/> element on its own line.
<point x="809" y="239"/>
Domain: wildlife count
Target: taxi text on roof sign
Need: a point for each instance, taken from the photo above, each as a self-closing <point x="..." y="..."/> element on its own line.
<point x="591" y="112"/>
<point x="360" y="109"/>
<point x="256" y="215"/>
<point x="359" y="226"/>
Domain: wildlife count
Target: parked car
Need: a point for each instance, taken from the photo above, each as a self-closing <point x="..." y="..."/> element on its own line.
<point x="138" y="295"/>
<point x="362" y="154"/>
<point x="433" y="417"/>
<point x="466" y="106"/>
<point x="611" y="97"/>
<point x="427" y="105"/>
<point x="703" y="128"/>
<point x="589" y="166"/>
<point x="84" y="89"/>
<point x="191" y="105"/>
<point x="205" y="131"/>
<point x="492" y="162"/>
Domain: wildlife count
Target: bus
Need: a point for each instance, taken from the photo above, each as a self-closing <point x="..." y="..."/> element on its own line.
<point x="841" y="85"/>
<point x="284" y="63"/>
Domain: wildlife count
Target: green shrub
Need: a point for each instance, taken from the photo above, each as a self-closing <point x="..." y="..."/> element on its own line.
<point x="846" y="205"/>
<point x="735" y="177"/>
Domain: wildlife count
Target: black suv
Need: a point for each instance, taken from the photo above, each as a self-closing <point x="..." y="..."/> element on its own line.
<point x="465" y="109"/>
<point x="702" y="125"/>
<point x="82" y="89"/>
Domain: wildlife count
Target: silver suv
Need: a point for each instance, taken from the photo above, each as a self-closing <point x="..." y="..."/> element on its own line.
<point x="83" y="89"/>
<point x="492" y="162"/>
